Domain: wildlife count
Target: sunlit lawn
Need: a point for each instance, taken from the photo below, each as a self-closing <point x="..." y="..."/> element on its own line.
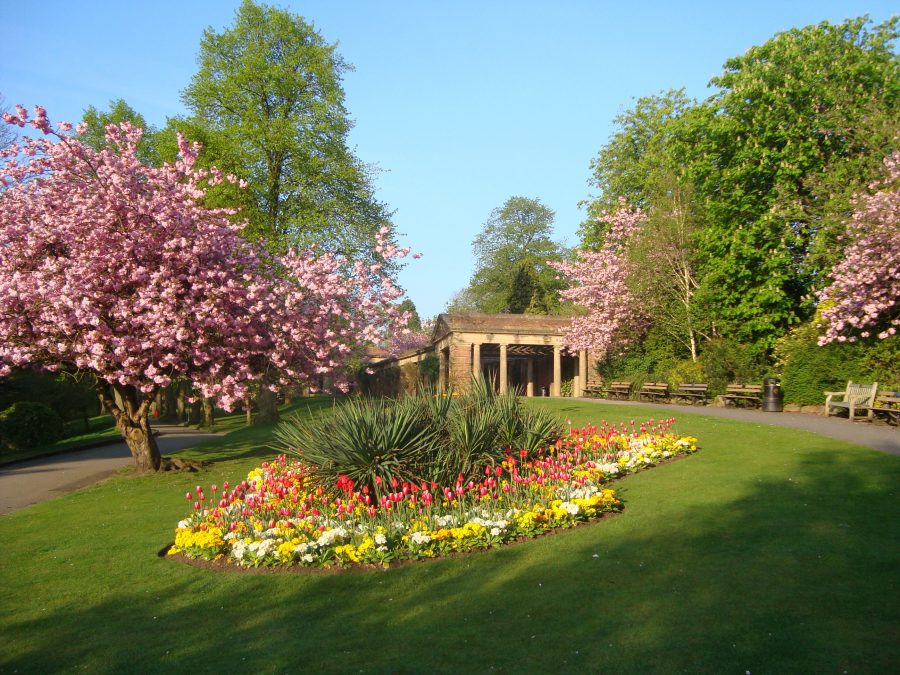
<point x="771" y="550"/>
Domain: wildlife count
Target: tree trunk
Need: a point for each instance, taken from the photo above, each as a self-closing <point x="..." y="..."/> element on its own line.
<point x="181" y="405"/>
<point x="140" y="440"/>
<point x="268" y="406"/>
<point x="129" y="410"/>
<point x="170" y="404"/>
<point x="209" y="415"/>
<point x="248" y="409"/>
<point x="195" y="414"/>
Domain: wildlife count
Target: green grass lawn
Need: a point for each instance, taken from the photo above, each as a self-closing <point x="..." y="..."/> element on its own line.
<point x="771" y="550"/>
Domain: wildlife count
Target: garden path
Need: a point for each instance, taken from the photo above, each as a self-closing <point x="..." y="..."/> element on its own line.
<point x="877" y="436"/>
<point x="42" y="478"/>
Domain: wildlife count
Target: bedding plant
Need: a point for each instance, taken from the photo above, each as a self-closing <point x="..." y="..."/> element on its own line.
<point x="289" y="512"/>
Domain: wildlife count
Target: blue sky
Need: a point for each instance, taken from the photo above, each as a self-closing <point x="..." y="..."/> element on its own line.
<point x="461" y="104"/>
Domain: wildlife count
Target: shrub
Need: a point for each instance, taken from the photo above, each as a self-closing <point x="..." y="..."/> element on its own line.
<point x="431" y="436"/>
<point x="649" y="361"/>
<point x="27" y="424"/>
<point x="686" y="371"/>
<point x="429" y="370"/>
<point x="726" y="361"/>
<point x="808" y="369"/>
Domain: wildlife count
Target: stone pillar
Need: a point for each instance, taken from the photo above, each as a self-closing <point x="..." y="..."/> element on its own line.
<point x="582" y="371"/>
<point x="529" y="378"/>
<point x="476" y="360"/>
<point x="460" y="366"/>
<point x="442" y="370"/>
<point x="503" y="375"/>
<point x="555" y="387"/>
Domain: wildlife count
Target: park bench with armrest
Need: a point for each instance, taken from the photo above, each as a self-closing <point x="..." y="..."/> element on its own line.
<point x="621" y="390"/>
<point x="694" y="392"/>
<point x="856" y="399"/>
<point x="743" y="394"/>
<point x="654" y="391"/>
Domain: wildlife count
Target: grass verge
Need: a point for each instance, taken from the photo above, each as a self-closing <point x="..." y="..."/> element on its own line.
<point x="772" y="550"/>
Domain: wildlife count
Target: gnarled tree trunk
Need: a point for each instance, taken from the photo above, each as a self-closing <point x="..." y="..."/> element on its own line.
<point x="129" y="410"/>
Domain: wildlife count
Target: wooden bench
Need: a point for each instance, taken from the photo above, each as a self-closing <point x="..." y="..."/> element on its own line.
<point x="743" y="394"/>
<point x="654" y="391"/>
<point x="887" y="404"/>
<point x="593" y="391"/>
<point x="694" y="392"/>
<point x="855" y="399"/>
<point x="621" y="390"/>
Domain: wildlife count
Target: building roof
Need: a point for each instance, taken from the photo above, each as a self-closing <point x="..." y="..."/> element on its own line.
<point x="534" y="324"/>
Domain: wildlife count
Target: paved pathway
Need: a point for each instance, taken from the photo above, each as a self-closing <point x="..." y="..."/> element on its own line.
<point x="37" y="480"/>
<point x="880" y="437"/>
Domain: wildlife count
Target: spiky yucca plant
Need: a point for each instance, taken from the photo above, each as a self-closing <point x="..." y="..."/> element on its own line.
<point x="430" y="436"/>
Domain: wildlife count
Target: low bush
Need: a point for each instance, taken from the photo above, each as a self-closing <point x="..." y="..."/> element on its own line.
<point x="726" y="361"/>
<point x="431" y="436"/>
<point x="27" y="424"/>
<point x="808" y="370"/>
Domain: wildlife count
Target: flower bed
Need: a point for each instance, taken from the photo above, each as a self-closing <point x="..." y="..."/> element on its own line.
<point x="282" y="514"/>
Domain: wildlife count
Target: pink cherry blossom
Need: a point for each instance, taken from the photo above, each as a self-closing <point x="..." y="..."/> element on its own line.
<point x="114" y="268"/>
<point x="598" y="283"/>
<point x="865" y="288"/>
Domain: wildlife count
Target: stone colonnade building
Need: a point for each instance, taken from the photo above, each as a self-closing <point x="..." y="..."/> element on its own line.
<point x="523" y="352"/>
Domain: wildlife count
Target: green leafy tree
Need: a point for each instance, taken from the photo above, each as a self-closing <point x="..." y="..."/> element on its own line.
<point x="268" y="104"/>
<point x="148" y="149"/>
<point x="664" y="264"/>
<point x="797" y="126"/>
<point x="511" y="254"/>
<point x="785" y="118"/>
<point x="415" y="321"/>
<point x="638" y="155"/>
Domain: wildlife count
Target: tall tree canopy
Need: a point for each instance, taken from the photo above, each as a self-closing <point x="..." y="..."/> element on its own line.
<point x="771" y="162"/>
<point x="511" y="254"/>
<point x="268" y="104"/>
<point x="114" y="268"/>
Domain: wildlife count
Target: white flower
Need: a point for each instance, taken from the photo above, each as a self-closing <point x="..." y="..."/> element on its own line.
<point x="328" y="537"/>
<point x="419" y="538"/>
<point x="380" y="540"/>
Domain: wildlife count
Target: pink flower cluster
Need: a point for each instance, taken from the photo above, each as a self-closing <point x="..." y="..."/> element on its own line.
<point x="114" y="267"/>
<point x="598" y="282"/>
<point x="865" y="288"/>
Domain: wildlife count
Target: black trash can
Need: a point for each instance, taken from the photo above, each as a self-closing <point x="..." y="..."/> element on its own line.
<point x="773" y="401"/>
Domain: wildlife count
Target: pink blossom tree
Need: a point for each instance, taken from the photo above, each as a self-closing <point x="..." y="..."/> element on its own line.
<point x="114" y="268"/>
<point x="864" y="295"/>
<point x="599" y="283"/>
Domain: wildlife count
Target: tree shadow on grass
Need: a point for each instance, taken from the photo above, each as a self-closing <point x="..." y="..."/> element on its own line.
<point x="792" y="572"/>
<point x="255" y="441"/>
